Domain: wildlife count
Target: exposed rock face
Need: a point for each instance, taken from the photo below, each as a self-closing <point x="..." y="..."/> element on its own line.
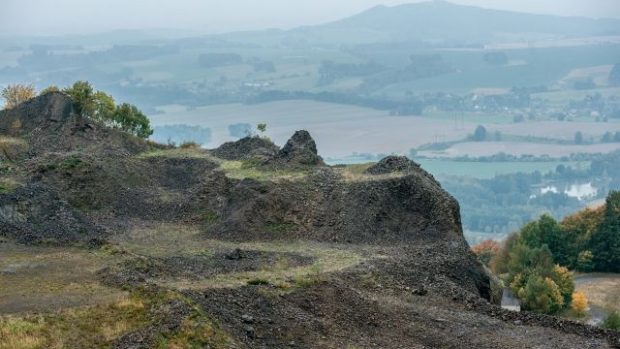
<point x="299" y="150"/>
<point x="247" y="148"/>
<point x="50" y="124"/>
<point x="36" y="214"/>
<point x="326" y="208"/>
<point x="392" y="164"/>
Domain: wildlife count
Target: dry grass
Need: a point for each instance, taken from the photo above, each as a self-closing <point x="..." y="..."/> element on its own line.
<point x="16" y="333"/>
<point x="602" y="291"/>
<point x="197" y="332"/>
<point x="8" y="184"/>
<point x="89" y="327"/>
<point x="51" y="278"/>
<point x="355" y="173"/>
<point x="232" y="169"/>
<point x="327" y="259"/>
<point x="11" y="147"/>
<point x="241" y="170"/>
<point x="178" y="153"/>
<point x="160" y="240"/>
<point x="180" y="240"/>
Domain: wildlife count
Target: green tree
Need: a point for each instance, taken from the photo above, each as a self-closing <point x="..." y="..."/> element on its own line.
<point x="100" y="106"/>
<point x="480" y="134"/>
<point x="541" y="294"/>
<point x="49" y="89"/>
<point x="585" y="261"/>
<point x="262" y="128"/>
<point x="547" y="231"/>
<point x="104" y="107"/>
<point x="578" y="137"/>
<point x="525" y="261"/>
<point x="130" y="119"/>
<point x="564" y="279"/>
<point x="83" y="97"/>
<point x="605" y="243"/>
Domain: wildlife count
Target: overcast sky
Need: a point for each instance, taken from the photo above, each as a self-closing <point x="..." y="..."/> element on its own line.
<point x="89" y="16"/>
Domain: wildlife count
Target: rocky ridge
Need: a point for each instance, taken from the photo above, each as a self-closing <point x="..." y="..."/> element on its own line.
<point x="415" y="283"/>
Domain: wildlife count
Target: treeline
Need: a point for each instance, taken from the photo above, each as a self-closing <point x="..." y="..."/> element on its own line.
<point x="413" y="106"/>
<point x="43" y="58"/>
<point x="535" y="261"/>
<point x="330" y="71"/>
<point x="420" y="66"/>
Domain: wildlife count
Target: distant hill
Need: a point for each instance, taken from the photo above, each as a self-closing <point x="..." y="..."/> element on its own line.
<point x="440" y="21"/>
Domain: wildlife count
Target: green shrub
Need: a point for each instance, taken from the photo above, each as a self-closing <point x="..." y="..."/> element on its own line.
<point x="612" y="321"/>
<point x="258" y="282"/>
<point x="100" y="106"/>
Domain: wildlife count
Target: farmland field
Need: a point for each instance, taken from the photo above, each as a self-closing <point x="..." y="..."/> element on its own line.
<point x="475" y="149"/>
<point x="339" y="130"/>
<point x="342" y="130"/>
<point x="558" y="129"/>
<point x="484" y="170"/>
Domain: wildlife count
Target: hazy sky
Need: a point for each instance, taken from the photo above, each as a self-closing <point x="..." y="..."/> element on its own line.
<point x="88" y="16"/>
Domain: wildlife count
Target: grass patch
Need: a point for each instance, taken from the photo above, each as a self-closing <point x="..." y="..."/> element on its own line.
<point x="244" y="170"/>
<point x="98" y="326"/>
<point x="90" y="327"/>
<point x="50" y="278"/>
<point x="210" y="217"/>
<point x="177" y="153"/>
<point x="11" y="147"/>
<point x="280" y="228"/>
<point x="196" y="332"/>
<point x="8" y="185"/>
<point x="16" y="333"/>
<point x="327" y="258"/>
<point x="70" y="163"/>
<point x="355" y="173"/>
<point x="232" y="169"/>
<point x="313" y="276"/>
<point x="601" y="290"/>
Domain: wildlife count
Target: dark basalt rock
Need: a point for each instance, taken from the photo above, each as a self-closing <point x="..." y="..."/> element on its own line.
<point x="299" y="150"/>
<point x="49" y="124"/>
<point x="393" y="164"/>
<point x="247" y="148"/>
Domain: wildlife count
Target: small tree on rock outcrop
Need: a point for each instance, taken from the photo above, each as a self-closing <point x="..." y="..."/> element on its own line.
<point x="100" y="106"/>
<point x="17" y="94"/>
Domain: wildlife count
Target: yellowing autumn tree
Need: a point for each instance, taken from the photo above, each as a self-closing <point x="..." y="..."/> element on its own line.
<point x="579" y="303"/>
<point x="17" y="94"/>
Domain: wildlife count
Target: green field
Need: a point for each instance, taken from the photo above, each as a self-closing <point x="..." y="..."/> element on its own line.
<point x="490" y="169"/>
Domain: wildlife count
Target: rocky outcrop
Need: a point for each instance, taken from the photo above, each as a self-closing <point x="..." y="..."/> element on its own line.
<point x="299" y="150"/>
<point x="50" y="124"/>
<point x="324" y="207"/>
<point x="393" y="164"/>
<point x="247" y="148"/>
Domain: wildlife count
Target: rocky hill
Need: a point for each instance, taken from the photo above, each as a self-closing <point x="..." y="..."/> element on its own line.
<point x="267" y="247"/>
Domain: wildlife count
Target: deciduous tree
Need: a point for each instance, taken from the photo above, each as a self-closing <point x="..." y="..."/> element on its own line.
<point x="14" y="95"/>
